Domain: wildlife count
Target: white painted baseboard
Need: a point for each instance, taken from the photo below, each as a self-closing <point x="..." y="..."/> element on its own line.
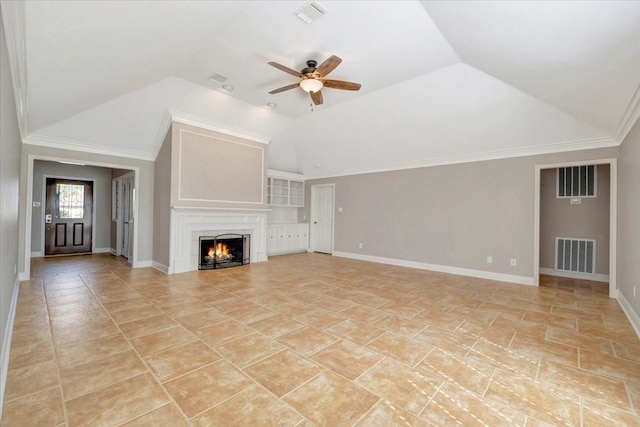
<point x="501" y="277"/>
<point x="572" y="275"/>
<point x="101" y="250"/>
<point x="36" y="254"/>
<point x="628" y="310"/>
<point x="113" y="252"/>
<point x="143" y="264"/>
<point x="160" y="267"/>
<point x="6" y="344"/>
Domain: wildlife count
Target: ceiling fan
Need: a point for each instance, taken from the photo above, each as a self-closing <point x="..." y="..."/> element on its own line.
<point x="313" y="78"/>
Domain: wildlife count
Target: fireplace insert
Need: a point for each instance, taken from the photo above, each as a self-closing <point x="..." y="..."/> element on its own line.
<point x="225" y="250"/>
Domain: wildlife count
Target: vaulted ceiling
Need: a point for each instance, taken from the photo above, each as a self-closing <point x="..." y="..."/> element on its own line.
<point x="441" y="81"/>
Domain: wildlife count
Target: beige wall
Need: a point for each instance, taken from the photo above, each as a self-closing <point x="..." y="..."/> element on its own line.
<point x="212" y="169"/>
<point x="145" y="191"/>
<point x="587" y="220"/>
<point x="162" y="203"/>
<point x="101" y="200"/>
<point x="628" y="266"/>
<point x="452" y="216"/>
<point x="9" y="190"/>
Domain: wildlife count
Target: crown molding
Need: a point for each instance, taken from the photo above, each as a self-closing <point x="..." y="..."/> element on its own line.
<point x="630" y="116"/>
<point x="584" y="144"/>
<point x="201" y="122"/>
<point x="165" y="124"/>
<point x="13" y="22"/>
<point x="64" y="144"/>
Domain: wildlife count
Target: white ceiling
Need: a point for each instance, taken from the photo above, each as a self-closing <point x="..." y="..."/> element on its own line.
<point x="441" y="81"/>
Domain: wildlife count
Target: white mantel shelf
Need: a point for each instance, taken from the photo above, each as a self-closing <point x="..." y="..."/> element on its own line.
<point x="187" y="222"/>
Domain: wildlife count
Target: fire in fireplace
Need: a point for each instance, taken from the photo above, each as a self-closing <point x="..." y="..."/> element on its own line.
<point x="225" y="250"/>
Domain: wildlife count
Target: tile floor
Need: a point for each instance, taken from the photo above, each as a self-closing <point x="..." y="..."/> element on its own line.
<point x="310" y="339"/>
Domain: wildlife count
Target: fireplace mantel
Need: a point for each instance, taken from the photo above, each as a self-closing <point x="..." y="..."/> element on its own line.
<point x="187" y="222"/>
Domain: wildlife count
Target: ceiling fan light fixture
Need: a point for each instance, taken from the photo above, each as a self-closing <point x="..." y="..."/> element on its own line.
<point x="311" y="85"/>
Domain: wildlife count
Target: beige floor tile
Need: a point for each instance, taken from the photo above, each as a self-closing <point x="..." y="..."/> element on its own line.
<point x="575" y="339"/>
<point x="400" y="347"/>
<point x="117" y="403"/>
<point x="385" y="414"/>
<point x="146" y="326"/>
<point x="633" y="389"/>
<point x="40" y="409"/>
<point x="162" y="340"/>
<point x="321" y="319"/>
<point x="364" y="314"/>
<point x="135" y="313"/>
<point x="359" y="333"/>
<point x="347" y="359"/>
<point x="597" y="414"/>
<point x="534" y="399"/>
<point x="168" y="415"/>
<point x="614" y="333"/>
<point x="471" y="374"/>
<point x="451" y="342"/>
<point x="252" y="407"/>
<point x="222" y="332"/>
<point x="30" y="379"/>
<point x="404" y="387"/>
<point x="606" y="365"/>
<point x="250" y="313"/>
<point x="283" y="371"/>
<point x="276" y="326"/>
<point x="206" y="387"/>
<point x="400" y="325"/>
<point x="81" y="379"/>
<point x="126" y="304"/>
<point x="550" y="320"/>
<point x="30" y="353"/>
<point x="185" y="308"/>
<point x="584" y="383"/>
<point x="180" y="360"/>
<point x="627" y="351"/>
<point x="521" y="326"/>
<point x="331" y="400"/>
<point x="201" y="319"/>
<point x="307" y="340"/>
<point x="546" y="349"/>
<point x="507" y="359"/>
<point x="440" y="319"/>
<point x="173" y="299"/>
<point x="83" y="331"/>
<point x="249" y="349"/>
<point x="483" y="332"/>
<point x="576" y="314"/>
<point x="504" y="310"/>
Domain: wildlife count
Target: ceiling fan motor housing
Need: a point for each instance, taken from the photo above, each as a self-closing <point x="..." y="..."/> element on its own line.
<point x="311" y="67"/>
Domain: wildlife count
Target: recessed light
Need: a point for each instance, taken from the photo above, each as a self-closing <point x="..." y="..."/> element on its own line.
<point x="272" y="105"/>
<point x="228" y="88"/>
<point x="215" y="77"/>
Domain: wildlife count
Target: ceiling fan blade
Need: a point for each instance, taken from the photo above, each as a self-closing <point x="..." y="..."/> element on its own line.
<point x="282" y="89"/>
<point x="339" y="84"/>
<point x="316" y="97"/>
<point x="329" y="65"/>
<point x="286" y="69"/>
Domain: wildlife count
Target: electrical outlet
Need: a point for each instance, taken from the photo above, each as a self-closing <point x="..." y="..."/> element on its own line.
<point x="514" y="262"/>
<point x="489" y="260"/>
<point x="360" y="245"/>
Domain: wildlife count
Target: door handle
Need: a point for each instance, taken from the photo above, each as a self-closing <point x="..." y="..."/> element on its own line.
<point x="315" y="222"/>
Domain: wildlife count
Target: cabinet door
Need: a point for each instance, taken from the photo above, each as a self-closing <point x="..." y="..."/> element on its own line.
<point x="289" y="244"/>
<point x="271" y="239"/>
<point x="296" y="193"/>
<point x="279" y="192"/>
<point x="303" y="236"/>
<point x="281" y="238"/>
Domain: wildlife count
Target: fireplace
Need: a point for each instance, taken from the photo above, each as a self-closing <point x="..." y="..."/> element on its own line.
<point x="224" y="250"/>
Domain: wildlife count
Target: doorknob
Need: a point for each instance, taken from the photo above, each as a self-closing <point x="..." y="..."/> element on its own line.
<point x="315" y="222"/>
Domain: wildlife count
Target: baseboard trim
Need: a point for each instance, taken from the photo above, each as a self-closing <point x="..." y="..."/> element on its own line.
<point x="113" y="252"/>
<point x="160" y="267"/>
<point x="633" y="317"/>
<point x="572" y="275"/>
<point x="101" y="250"/>
<point x="6" y="344"/>
<point x="481" y="274"/>
<point x="143" y="264"/>
<point x="37" y="254"/>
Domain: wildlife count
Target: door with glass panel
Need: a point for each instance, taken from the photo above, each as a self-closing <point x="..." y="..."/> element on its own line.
<point x="68" y="216"/>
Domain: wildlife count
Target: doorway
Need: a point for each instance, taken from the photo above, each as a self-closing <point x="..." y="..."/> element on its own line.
<point x="125" y="194"/>
<point x="322" y="218"/>
<point x="68" y="216"/>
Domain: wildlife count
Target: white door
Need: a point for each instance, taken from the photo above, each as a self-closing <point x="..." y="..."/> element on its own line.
<point x="128" y="202"/>
<point x="322" y="218"/>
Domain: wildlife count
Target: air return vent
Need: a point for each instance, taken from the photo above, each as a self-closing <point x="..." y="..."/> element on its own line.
<point x="310" y="12"/>
<point x="576" y="255"/>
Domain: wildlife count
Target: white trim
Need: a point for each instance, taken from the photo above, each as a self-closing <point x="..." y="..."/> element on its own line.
<point x="586" y="144"/>
<point x="262" y="174"/>
<point x="572" y="275"/>
<point x="6" y="343"/>
<point x="285" y="175"/>
<point x="613" y="214"/>
<point x="38" y="254"/>
<point x="311" y="216"/>
<point x="630" y="116"/>
<point x="143" y="264"/>
<point x="113" y="252"/>
<point x="201" y="122"/>
<point x="25" y="273"/>
<point x="161" y="134"/>
<point x="101" y="250"/>
<point x="160" y="267"/>
<point x="66" y="144"/>
<point x="510" y="278"/>
<point x="628" y="311"/>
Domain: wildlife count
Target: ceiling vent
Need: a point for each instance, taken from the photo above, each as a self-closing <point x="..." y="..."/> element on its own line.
<point x="310" y="12"/>
<point x="215" y="77"/>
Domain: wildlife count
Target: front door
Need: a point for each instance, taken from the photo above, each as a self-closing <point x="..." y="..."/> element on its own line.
<point x="322" y="217"/>
<point x="68" y="216"/>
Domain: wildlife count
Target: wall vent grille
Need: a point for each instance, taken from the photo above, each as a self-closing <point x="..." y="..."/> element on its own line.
<point x="576" y="255"/>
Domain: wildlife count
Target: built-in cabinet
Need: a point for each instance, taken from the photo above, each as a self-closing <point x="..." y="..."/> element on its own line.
<point x="285" y="192"/>
<point x="287" y="238"/>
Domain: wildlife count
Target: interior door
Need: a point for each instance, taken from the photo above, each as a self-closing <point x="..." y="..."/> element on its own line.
<point x="68" y="216"/>
<point x="322" y="218"/>
<point x="128" y="196"/>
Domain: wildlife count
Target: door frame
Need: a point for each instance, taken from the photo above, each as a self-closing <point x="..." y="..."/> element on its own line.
<point x="25" y="274"/>
<point x="120" y="219"/>
<point x="613" y="217"/>
<point x="312" y="240"/>
<point x="44" y="199"/>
